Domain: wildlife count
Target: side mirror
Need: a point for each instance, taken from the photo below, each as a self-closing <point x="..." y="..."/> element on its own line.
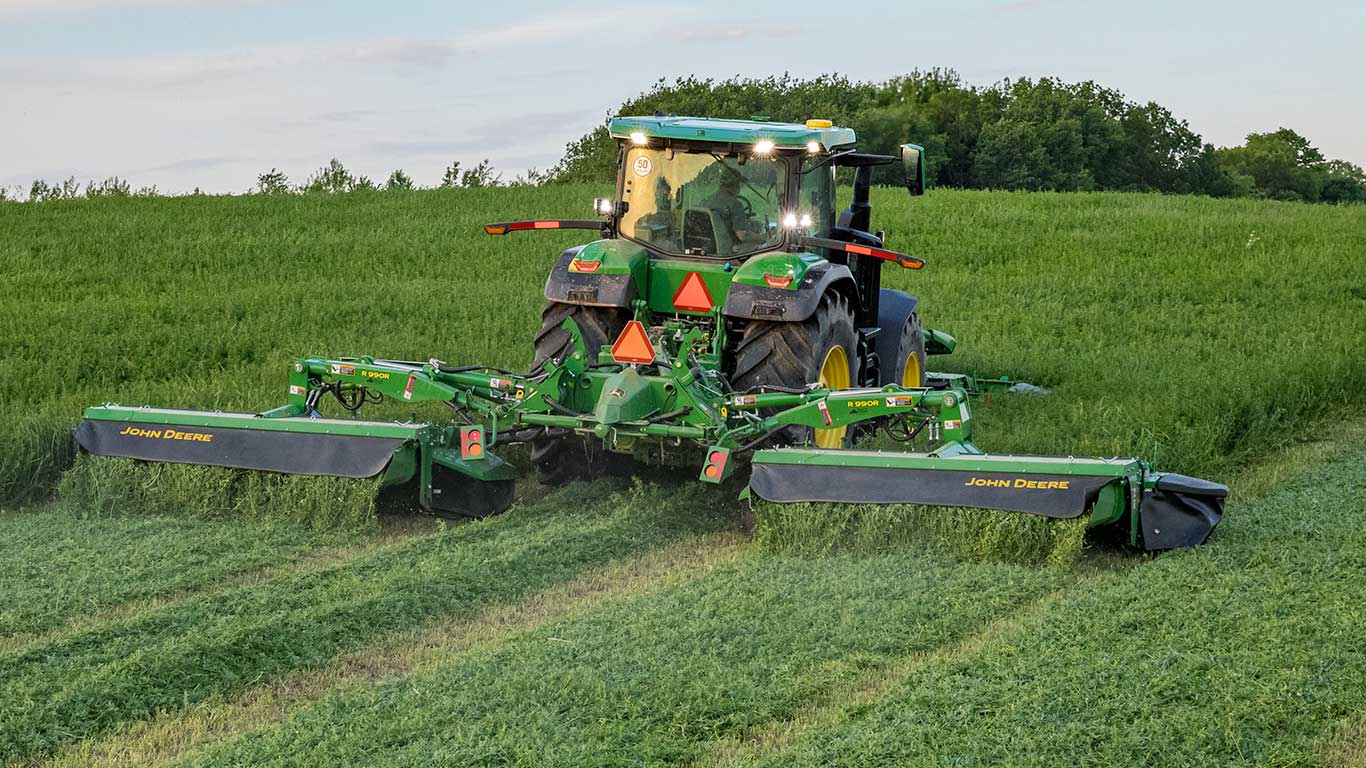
<point x="913" y="165"/>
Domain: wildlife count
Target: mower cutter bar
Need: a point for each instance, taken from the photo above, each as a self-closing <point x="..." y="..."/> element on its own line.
<point x="1163" y="510"/>
<point x="296" y="446"/>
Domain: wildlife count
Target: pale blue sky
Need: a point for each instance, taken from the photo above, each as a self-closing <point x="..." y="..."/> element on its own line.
<point x="180" y="93"/>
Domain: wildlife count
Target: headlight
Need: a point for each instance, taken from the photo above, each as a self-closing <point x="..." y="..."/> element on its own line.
<point x="763" y="146"/>
<point x="790" y="221"/>
<point x="639" y="139"/>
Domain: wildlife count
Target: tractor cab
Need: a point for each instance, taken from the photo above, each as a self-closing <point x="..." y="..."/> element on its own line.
<point x="725" y="189"/>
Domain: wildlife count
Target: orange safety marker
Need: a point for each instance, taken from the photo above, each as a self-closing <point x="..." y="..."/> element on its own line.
<point x="633" y="345"/>
<point x="693" y="295"/>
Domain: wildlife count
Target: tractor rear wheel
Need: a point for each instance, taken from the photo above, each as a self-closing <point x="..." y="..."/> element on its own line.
<point x="559" y="460"/>
<point x="909" y="366"/>
<point x="821" y="349"/>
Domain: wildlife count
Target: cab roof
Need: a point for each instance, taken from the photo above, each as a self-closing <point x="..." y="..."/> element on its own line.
<point x="783" y="135"/>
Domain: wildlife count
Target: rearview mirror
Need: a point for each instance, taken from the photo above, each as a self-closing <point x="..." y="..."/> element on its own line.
<point x="913" y="165"/>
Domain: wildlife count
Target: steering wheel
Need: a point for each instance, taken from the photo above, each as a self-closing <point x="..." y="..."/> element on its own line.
<point x="749" y="207"/>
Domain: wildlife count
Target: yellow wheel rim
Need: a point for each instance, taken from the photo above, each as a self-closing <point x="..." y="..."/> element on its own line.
<point x="834" y="375"/>
<point x="910" y="374"/>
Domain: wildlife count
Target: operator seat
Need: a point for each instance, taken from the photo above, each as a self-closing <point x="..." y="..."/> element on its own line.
<point x="703" y="228"/>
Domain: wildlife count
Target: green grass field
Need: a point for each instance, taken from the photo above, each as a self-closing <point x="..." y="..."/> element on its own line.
<point x="626" y="624"/>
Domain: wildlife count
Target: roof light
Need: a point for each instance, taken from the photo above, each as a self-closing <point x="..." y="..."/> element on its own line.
<point x="790" y="220"/>
<point x="814" y="147"/>
<point x="763" y="146"/>
<point x="639" y="138"/>
<point x="816" y="123"/>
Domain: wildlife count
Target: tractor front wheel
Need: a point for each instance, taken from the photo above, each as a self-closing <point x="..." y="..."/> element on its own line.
<point x="559" y="460"/>
<point x="822" y="350"/>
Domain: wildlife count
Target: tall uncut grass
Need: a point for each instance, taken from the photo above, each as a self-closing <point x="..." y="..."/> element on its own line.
<point x="970" y="534"/>
<point x="99" y="485"/>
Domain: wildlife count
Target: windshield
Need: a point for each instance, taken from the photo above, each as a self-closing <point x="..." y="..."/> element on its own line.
<point x="702" y="204"/>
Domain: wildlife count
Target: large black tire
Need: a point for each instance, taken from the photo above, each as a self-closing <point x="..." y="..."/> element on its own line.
<point x="911" y="347"/>
<point x="791" y="354"/>
<point x="559" y="460"/>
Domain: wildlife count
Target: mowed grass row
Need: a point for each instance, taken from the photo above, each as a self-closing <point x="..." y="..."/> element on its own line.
<point x="652" y="681"/>
<point x="76" y="686"/>
<point x="1245" y="652"/>
<point x="1197" y="333"/>
<point x="60" y="565"/>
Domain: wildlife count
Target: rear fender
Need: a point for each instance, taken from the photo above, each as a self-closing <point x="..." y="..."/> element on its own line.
<point x="753" y="297"/>
<point x="603" y="273"/>
<point x="894" y="309"/>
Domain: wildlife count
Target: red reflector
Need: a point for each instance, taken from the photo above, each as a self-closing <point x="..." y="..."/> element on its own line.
<point x="693" y="295"/>
<point x="546" y="224"/>
<point x="777" y="281"/>
<point x="716" y="457"/>
<point x="633" y="345"/>
<point x="471" y="442"/>
<point x="861" y="250"/>
<point x="588" y="267"/>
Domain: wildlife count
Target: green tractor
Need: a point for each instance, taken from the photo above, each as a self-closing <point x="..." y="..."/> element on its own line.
<point x="726" y="308"/>
<point x="730" y="226"/>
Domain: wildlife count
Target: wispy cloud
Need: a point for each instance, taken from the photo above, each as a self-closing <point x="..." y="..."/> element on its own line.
<point x="404" y="53"/>
<point x="56" y="7"/>
<point x="724" y="32"/>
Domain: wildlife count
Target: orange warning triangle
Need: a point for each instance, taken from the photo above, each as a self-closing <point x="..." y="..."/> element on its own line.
<point x="633" y="345"/>
<point x="693" y="295"/>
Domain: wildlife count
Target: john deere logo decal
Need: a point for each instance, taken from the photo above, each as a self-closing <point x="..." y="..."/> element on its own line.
<point x="1019" y="482"/>
<point x="167" y="434"/>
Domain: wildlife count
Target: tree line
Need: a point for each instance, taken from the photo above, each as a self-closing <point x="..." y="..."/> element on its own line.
<point x="1022" y="134"/>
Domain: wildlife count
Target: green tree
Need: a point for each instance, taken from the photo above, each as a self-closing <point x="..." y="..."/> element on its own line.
<point x="331" y="178"/>
<point x="398" y="180"/>
<point x="110" y="187"/>
<point x="1343" y="182"/>
<point x="481" y="175"/>
<point x="1283" y="165"/>
<point x="272" y="182"/>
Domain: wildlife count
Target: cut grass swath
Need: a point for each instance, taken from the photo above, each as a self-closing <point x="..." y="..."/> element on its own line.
<point x="969" y="534"/>
<point x="99" y="485"/>
<point x="61" y="567"/>
<point x="652" y="681"/>
<point x="53" y="694"/>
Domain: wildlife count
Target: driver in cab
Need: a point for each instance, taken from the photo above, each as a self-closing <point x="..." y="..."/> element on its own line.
<point x="733" y="211"/>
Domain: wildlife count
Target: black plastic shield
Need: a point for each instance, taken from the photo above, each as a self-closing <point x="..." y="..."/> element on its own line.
<point x="1055" y="496"/>
<point x="292" y="453"/>
<point x="1180" y="511"/>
